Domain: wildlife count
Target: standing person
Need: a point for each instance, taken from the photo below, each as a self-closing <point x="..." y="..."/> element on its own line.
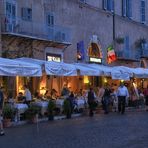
<point x="122" y="93"/>
<point x="1" y="109"/>
<point x="91" y="101"/>
<point x="65" y="91"/>
<point x="145" y="92"/>
<point x="106" y="100"/>
<point x="27" y="95"/>
<point x="101" y="94"/>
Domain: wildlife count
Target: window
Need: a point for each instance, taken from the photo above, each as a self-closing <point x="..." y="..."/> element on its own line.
<point x="108" y="5"/>
<point x="50" y="19"/>
<point x="126" y="43"/>
<point x="10" y="9"/>
<point x="127" y="51"/>
<point x="27" y="14"/>
<point x="127" y="8"/>
<point x="82" y="1"/>
<point x="142" y="11"/>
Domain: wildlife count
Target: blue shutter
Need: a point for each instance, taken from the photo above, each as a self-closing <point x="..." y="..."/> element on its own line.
<point x="142" y="11"/>
<point x="126" y="48"/>
<point x="50" y="19"/>
<point x="23" y="13"/>
<point x="123" y="7"/>
<point x="13" y="11"/>
<point x="129" y="8"/>
<point x="127" y="42"/>
<point x="8" y="9"/>
<point x="112" y="7"/>
<point x="104" y="4"/>
<point x="109" y="5"/>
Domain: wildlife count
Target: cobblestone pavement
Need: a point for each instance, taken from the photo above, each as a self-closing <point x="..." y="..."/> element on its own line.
<point x="102" y="131"/>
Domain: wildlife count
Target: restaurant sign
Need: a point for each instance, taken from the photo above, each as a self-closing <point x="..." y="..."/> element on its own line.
<point x="95" y="51"/>
<point x="53" y="57"/>
<point x="95" y="60"/>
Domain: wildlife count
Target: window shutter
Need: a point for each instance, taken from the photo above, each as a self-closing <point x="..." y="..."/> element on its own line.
<point x="50" y="19"/>
<point x="8" y="8"/>
<point x="112" y="5"/>
<point x="104" y="4"/>
<point x="123" y="7"/>
<point x="23" y="13"/>
<point x="129" y="8"/>
<point x="29" y="14"/>
<point x="13" y="11"/>
<point x="127" y="43"/>
<point x="142" y="11"/>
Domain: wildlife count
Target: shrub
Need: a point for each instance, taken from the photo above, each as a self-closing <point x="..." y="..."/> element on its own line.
<point x="8" y="112"/>
<point x="32" y="111"/>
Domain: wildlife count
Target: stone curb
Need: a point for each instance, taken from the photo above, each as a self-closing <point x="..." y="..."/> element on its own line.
<point x="45" y="119"/>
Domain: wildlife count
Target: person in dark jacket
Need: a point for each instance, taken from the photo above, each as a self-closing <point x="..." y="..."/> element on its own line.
<point x="1" y="109"/>
<point x="107" y="96"/>
<point x="91" y="101"/>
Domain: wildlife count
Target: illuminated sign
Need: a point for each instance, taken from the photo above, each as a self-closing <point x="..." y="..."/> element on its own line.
<point x="95" y="60"/>
<point x="53" y="57"/>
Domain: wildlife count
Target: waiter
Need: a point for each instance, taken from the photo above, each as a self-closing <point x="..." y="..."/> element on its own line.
<point x="122" y="94"/>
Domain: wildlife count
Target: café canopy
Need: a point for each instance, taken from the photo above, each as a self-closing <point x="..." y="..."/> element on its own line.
<point x="74" y="69"/>
<point x="9" y="67"/>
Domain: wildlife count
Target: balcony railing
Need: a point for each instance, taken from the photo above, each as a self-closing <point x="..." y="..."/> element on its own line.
<point x="128" y="55"/>
<point x="144" y="53"/>
<point x="35" y="29"/>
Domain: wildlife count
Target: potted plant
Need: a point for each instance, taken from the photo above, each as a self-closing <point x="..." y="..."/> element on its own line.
<point x="139" y="42"/>
<point x="67" y="108"/>
<point x="32" y="113"/>
<point x="120" y="40"/>
<point x="8" y="114"/>
<point x="50" y="109"/>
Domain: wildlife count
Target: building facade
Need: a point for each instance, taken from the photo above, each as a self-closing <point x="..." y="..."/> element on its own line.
<point x="36" y="27"/>
<point x="52" y="28"/>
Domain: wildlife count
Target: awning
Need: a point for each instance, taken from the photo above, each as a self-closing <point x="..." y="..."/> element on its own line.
<point x="60" y="69"/>
<point x="10" y="67"/>
<point x="53" y="68"/>
<point x="133" y="72"/>
<point x="85" y="69"/>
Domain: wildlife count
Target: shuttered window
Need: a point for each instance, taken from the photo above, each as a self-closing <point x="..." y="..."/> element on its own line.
<point x="27" y="14"/>
<point x="50" y="19"/>
<point x="108" y="5"/>
<point x="127" y="8"/>
<point x="142" y="11"/>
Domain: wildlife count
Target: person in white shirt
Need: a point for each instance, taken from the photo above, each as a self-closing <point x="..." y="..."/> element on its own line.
<point x="27" y="94"/>
<point x="122" y="93"/>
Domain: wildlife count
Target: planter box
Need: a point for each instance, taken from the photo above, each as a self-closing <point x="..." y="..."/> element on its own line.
<point x="7" y="122"/>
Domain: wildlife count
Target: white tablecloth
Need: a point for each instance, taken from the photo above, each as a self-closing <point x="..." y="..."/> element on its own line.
<point x="59" y="102"/>
<point x="21" y="107"/>
<point x="41" y="103"/>
<point x="80" y="103"/>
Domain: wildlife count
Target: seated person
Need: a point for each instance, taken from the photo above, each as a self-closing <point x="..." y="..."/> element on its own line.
<point x="20" y="97"/>
<point x="36" y="95"/>
<point x="53" y="94"/>
<point x="11" y="99"/>
<point x="47" y="95"/>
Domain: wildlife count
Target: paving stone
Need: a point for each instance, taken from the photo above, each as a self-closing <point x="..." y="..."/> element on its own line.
<point x="101" y="131"/>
